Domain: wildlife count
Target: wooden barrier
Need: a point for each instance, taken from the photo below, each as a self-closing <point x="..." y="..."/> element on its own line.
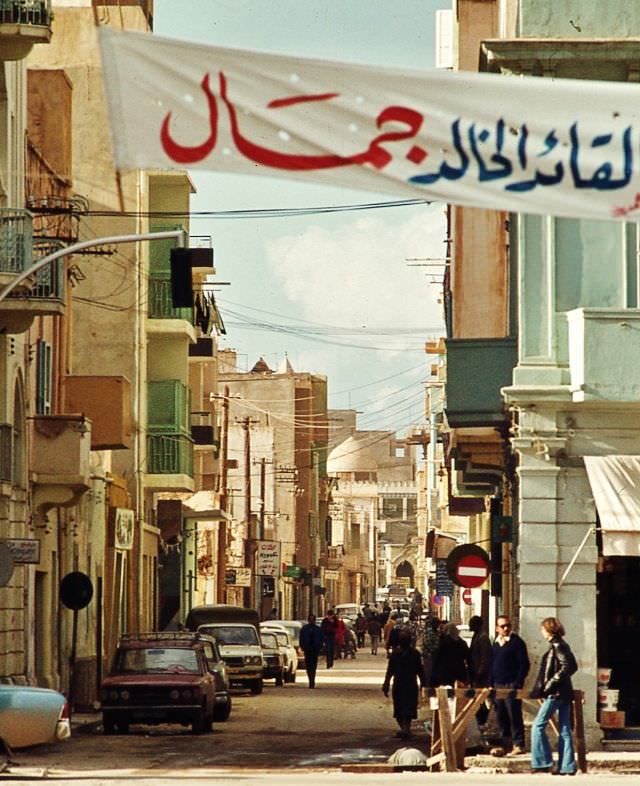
<point x="448" y="735"/>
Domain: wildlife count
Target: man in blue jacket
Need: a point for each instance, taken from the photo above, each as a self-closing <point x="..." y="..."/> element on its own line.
<point x="509" y="669"/>
<point x="311" y="640"/>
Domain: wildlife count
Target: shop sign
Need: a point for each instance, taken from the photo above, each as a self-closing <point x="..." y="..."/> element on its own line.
<point x="24" y="550"/>
<point x="268" y="558"/>
<point x="239" y="577"/>
<point x="293" y="571"/>
<point x="331" y="575"/>
<point x="124" y="528"/>
<point x="444" y="585"/>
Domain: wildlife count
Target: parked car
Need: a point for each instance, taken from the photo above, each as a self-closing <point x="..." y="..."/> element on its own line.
<point x="241" y="650"/>
<point x="237" y="631"/>
<point x="293" y="627"/>
<point x="287" y="649"/>
<point x="273" y="659"/>
<point x="32" y="716"/>
<point x="164" y="677"/>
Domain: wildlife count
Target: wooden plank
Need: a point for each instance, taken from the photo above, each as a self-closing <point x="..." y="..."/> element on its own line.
<point x="581" y="743"/>
<point x="460" y="720"/>
<point x="446" y="731"/>
<point x="432" y="761"/>
<point x="436" y="743"/>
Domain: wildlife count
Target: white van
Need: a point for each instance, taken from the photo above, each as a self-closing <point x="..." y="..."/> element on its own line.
<point x="350" y="610"/>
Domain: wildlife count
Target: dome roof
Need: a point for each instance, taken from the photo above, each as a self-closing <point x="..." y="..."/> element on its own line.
<point x="358" y="453"/>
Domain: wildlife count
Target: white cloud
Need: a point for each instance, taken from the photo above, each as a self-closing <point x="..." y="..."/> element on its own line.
<point x="356" y="275"/>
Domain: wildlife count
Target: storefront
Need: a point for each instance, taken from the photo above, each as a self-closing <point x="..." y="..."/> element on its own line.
<point x="615" y="482"/>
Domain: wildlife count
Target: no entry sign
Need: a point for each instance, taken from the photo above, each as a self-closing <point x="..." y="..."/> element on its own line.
<point x="468" y="566"/>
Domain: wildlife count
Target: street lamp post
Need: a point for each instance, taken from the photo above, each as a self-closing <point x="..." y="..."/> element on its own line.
<point x="178" y="234"/>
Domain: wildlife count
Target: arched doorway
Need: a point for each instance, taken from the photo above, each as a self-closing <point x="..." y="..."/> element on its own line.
<point x="405" y="570"/>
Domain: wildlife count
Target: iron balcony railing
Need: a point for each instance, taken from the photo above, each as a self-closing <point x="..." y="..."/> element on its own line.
<point x="168" y="407"/>
<point x="169" y="454"/>
<point x="16" y="248"/>
<point x="160" y="304"/>
<point x="26" y="12"/>
<point x="50" y="281"/>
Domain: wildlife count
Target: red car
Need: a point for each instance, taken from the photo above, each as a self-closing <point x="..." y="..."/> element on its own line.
<point x="162" y="677"/>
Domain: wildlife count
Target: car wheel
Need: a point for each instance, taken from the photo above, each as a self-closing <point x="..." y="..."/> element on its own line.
<point x="108" y="724"/>
<point x="279" y="680"/>
<point x="256" y="687"/>
<point x="123" y="727"/>
<point x="199" y="722"/>
<point x="222" y="712"/>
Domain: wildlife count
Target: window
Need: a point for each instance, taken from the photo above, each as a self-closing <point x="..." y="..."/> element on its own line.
<point x="43" y="378"/>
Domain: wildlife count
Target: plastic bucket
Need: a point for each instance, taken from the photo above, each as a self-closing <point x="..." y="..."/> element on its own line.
<point x="608" y="698"/>
<point x="604" y="675"/>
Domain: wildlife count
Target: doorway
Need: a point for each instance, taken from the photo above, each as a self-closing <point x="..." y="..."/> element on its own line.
<point x="618" y="630"/>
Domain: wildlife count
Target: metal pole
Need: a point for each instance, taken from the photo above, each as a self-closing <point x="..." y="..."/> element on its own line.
<point x="178" y="234"/>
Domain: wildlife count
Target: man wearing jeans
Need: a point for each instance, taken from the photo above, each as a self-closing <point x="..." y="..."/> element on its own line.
<point x="509" y="669"/>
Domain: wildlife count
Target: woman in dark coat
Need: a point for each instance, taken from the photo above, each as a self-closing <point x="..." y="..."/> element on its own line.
<point x="405" y="667"/>
<point x="451" y="659"/>
<point x="553" y="685"/>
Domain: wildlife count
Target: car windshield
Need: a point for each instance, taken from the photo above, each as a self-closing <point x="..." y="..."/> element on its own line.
<point x="232" y="635"/>
<point x="269" y="640"/>
<point x="157" y="659"/>
<point x="283" y="639"/>
<point x="292" y="627"/>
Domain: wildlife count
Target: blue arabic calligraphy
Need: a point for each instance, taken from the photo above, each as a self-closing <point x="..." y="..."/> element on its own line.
<point x="505" y="153"/>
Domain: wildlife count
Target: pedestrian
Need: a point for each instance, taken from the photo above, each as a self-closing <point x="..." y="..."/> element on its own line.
<point x="451" y="659"/>
<point x="509" y="669"/>
<point x="388" y="627"/>
<point x="374" y="630"/>
<point x="385" y="614"/>
<point x="329" y="627"/>
<point x="430" y="642"/>
<point x="405" y="669"/>
<point x="349" y="643"/>
<point x="554" y="687"/>
<point x="311" y="640"/>
<point x="480" y="662"/>
<point x="341" y="627"/>
<point x="361" y="627"/>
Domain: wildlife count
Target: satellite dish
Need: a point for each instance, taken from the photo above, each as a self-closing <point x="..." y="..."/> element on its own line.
<point x="6" y="564"/>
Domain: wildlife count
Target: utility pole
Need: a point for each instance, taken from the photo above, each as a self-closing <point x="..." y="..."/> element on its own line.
<point x="250" y="548"/>
<point x="261" y="527"/>
<point x="222" y="527"/>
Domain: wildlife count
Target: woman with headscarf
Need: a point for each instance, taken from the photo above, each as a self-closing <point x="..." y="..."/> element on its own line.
<point x="451" y="659"/>
<point x="405" y="669"/>
<point x="554" y="687"/>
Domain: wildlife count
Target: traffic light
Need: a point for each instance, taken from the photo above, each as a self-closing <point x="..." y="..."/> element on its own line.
<point x="181" y="278"/>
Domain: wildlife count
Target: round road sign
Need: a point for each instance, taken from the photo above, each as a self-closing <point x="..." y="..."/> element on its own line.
<point x="466" y="596"/>
<point x="76" y="590"/>
<point x="468" y="566"/>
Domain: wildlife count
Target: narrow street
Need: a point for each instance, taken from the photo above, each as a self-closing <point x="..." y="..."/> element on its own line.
<point x="345" y="719"/>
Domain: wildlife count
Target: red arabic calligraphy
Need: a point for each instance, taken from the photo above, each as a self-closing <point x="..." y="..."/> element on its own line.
<point x="375" y="154"/>
<point x="190" y="155"/>
<point x="621" y="212"/>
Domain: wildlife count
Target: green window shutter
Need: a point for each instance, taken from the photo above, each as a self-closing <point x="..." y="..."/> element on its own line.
<point x="160" y="250"/>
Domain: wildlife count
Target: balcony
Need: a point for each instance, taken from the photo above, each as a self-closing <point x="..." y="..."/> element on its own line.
<point x="23" y="23"/>
<point x="203" y="350"/>
<point x="202" y="432"/>
<point x="201" y="254"/>
<point x="164" y="319"/>
<point x="168" y="407"/>
<point x="60" y="460"/>
<point x="604" y="346"/>
<point x="169" y="462"/>
<point x="107" y="402"/>
<point x="41" y="294"/>
<point x="476" y="371"/>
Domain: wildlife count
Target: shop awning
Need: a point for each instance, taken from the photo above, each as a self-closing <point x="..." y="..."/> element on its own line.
<point x="615" y="483"/>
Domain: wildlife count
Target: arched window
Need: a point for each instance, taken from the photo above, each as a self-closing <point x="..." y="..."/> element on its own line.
<point x="405" y="569"/>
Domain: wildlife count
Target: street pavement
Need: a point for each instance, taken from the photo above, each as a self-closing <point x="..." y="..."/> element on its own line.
<point x="287" y="734"/>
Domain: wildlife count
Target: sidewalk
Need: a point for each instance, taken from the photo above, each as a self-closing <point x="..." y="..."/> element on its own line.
<point x="627" y="762"/>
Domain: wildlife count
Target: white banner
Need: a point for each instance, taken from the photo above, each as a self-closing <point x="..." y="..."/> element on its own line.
<point x="268" y="562"/>
<point x="526" y="144"/>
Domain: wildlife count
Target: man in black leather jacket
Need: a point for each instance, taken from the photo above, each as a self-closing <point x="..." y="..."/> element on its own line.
<point x="553" y="686"/>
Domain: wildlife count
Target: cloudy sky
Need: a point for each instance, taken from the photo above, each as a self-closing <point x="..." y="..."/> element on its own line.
<point x="333" y="291"/>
